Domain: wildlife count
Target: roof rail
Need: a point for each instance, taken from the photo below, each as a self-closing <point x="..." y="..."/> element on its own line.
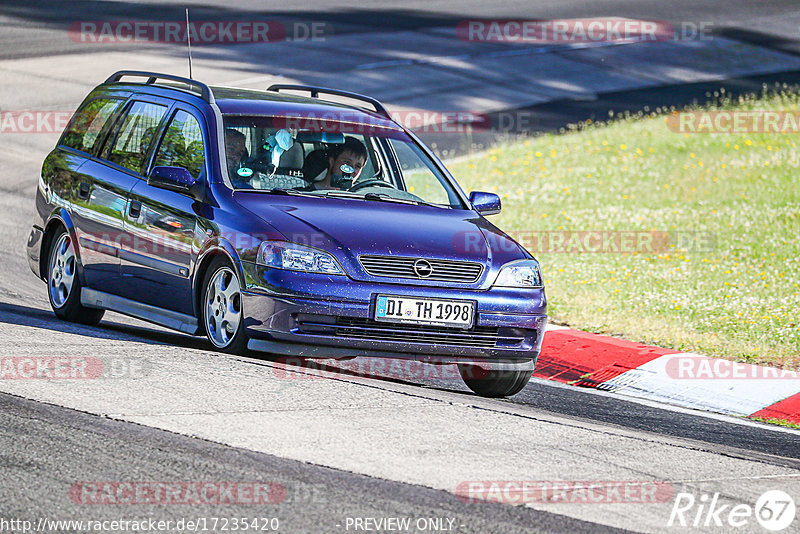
<point x="152" y="77"/>
<point x="316" y="91"/>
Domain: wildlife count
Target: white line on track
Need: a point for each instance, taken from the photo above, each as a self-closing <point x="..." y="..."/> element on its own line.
<point x="669" y="407"/>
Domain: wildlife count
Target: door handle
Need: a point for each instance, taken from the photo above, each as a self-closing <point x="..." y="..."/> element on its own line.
<point x="83" y="190"/>
<point x="135" y="209"/>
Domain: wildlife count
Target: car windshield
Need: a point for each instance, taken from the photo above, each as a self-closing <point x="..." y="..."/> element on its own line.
<point x="332" y="159"/>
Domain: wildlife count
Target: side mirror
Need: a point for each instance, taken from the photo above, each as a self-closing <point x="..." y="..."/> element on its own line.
<point x="172" y="178"/>
<point x="485" y="203"/>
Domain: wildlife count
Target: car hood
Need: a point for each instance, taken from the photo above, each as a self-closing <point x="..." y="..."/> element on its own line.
<point x="350" y="228"/>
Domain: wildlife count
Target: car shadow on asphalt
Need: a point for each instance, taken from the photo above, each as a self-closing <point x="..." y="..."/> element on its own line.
<point x="408" y="372"/>
<point x="21" y="315"/>
<point x="107" y="329"/>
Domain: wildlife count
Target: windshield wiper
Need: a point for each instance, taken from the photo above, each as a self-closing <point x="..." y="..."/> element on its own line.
<point x="343" y="194"/>
<point x="287" y="192"/>
<point x="383" y="197"/>
<point x="379" y="197"/>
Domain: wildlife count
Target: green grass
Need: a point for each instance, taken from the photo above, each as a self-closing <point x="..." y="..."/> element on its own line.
<point x="779" y="422"/>
<point x="739" y="300"/>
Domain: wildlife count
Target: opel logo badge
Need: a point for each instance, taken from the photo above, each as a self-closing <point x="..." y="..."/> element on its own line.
<point x="423" y="268"/>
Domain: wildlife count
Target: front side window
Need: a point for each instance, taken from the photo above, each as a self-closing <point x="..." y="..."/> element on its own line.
<point x="182" y="145"/>
<point x="88" y="122"/>
<point x="136" y="134"/>
<point x="420" y="177"/>
<point x="332" y="159"/>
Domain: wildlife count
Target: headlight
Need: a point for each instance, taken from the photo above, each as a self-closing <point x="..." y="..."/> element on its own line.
<point x="284" y="255"/>
<point x="520" y="273"/>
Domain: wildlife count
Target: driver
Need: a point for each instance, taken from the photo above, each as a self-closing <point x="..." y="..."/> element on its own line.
<point x="351" y="153"/>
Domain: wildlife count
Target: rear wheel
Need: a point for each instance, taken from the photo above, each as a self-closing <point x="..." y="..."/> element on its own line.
<point x="221" y="308"/>
<point x="492" y="383"/>
<point x="64" y="285"/>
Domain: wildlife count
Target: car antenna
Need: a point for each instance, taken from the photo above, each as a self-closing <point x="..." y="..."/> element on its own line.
<point x="189" y="41"/>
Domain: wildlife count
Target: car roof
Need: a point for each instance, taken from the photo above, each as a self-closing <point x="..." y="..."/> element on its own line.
<point x="237" y="101"/>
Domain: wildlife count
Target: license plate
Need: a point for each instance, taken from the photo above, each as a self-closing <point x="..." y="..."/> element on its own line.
<point x="397" y="309"/>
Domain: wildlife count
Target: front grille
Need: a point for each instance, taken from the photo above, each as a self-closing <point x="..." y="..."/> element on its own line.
<point x="369" y="329"/>
<point x="403" y="267"/>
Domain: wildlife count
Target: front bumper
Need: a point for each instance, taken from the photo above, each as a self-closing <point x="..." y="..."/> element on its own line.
<point x="322" y="316"/>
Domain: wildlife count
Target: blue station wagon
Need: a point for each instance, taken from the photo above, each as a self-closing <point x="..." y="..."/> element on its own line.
<point x="298" y="221"/>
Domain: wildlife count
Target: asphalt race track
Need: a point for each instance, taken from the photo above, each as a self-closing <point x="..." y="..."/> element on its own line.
<point x="345" y="441"/>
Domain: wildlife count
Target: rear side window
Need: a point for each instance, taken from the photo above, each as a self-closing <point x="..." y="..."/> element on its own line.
<point x="182" y="145"/>
<point x="136" y="135"/>
<point x="87" y="124"/>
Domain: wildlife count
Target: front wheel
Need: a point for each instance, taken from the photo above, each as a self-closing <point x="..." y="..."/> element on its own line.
<point x="491" y="383"/>
<point x="222" y="308"/>
<point x="64" y="284"/>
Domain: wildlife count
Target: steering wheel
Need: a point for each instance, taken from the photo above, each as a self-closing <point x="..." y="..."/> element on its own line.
<point x="372" y="182"/>
<point x="258" y="163"/>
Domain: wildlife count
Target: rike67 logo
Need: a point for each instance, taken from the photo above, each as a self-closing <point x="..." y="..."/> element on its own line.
<point x="774" y="510"/>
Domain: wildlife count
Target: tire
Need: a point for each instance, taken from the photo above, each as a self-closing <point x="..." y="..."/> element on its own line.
<point x="64" y="284"/>
<point x="493" y="384"/>
<point x="221" y="308"/>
